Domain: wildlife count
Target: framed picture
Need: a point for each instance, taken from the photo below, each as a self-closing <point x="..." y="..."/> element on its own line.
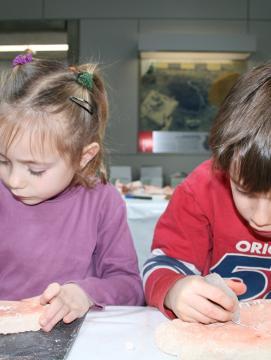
<point x="179" y="100"/>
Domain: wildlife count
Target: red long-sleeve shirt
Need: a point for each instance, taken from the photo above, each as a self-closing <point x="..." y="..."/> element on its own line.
<point x="201" y="232"/>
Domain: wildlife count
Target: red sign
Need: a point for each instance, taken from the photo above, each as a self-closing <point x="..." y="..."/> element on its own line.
<point x="145" y="141"/>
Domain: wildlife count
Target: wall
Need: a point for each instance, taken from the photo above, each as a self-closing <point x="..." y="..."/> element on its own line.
<point x="109" y="33"/>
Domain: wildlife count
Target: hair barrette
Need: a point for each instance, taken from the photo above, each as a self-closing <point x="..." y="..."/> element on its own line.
<point x="85" y="79"/>
<point x="81" y="103"/>
<point x="22" y="59"/>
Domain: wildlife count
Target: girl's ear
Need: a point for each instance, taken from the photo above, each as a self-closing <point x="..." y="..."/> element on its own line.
<point x="89" y="152"/>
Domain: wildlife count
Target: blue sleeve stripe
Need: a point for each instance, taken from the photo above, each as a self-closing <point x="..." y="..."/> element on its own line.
<point x="162" y="261"/>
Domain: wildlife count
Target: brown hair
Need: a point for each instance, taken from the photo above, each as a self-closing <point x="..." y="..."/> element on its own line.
<point x="240" y="138"/>
<point x="36" y="96"/>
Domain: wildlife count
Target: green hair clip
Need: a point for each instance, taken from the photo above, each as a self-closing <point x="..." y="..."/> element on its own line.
<point x="85" y="79"/>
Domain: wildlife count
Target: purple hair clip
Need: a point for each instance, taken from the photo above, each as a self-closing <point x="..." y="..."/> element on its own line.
<point x="22" y="59"/>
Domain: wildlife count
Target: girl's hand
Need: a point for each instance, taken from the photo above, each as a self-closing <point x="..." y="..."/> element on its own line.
<point x="192" y="299"/>
<point x="67" y="302"/>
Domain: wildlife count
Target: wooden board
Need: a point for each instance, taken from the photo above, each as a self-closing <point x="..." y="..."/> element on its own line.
<point x="38" y="345"/>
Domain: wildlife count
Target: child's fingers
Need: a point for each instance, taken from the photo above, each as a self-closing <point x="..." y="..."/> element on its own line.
<point x="59" y="315"/>
<point x="219" y="297"/>
<point x="192" y="314"/>
<point x="52" y="310"/>
<point x="51" y="291"/>
<point x="71" y="316"/>
<point x="33" y="299"/>
<point x="214" y="295"/>
<point x="237" y="286"/>
<point x="213" y="310"/>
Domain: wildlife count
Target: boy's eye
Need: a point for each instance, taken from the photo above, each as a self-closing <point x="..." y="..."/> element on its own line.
<point x="242" y="191"/>
<point x="36" y="173"/>
<point x="245" y="193"/>
<point x="3" y="162"/>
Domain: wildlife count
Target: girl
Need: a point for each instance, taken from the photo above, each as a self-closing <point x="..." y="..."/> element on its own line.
<point x="64" y="234"/>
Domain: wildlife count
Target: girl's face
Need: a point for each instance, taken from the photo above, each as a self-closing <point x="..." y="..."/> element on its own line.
<point x="254" y="208"/>
<point x="33" y="177"/>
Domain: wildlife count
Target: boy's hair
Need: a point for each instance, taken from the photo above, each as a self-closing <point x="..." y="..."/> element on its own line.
<point x="36" y="97"/>
<point x="240" y="137"/>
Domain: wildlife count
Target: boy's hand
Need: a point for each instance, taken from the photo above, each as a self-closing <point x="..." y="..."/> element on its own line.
<point x="67" y="302"/>
<point x="192" y="299"/>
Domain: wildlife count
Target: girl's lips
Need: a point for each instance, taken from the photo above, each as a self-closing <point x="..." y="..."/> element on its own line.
<point x="20" y="197"/>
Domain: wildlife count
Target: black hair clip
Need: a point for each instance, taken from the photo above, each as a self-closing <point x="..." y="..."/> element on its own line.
<point x="81" y="103"/>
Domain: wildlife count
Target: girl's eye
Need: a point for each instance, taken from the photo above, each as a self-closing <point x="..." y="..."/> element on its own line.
<point x="3" y="162"/>
<point x="36" y="173"/>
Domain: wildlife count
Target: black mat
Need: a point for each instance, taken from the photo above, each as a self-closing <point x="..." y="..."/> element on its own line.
<point x="38" y="345"/>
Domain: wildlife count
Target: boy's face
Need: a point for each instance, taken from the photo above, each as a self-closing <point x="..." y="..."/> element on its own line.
<point x="33" y="177"/>
<point x="254" y="208"/>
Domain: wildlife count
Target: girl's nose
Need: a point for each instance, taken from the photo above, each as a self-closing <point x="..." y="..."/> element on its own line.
<point x="15" y="181"/>
<point x="261" y="216"/>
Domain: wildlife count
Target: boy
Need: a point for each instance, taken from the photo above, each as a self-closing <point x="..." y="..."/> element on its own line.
<point x="219" y="219"/>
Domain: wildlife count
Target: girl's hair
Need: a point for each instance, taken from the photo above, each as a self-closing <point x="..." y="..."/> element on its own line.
<point x="35" y="96"/>
<point x="240" y="138"/>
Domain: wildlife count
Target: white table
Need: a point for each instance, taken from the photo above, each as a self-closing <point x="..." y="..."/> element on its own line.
<point x="142" y="218"/>
<point x="119" y="333"/>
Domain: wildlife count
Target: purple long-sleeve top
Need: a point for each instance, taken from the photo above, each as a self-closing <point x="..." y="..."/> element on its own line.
<point x="80" y="236"/>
